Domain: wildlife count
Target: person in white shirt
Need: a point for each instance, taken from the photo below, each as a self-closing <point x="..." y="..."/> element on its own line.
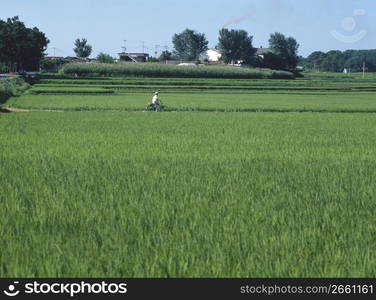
<point x="155" y="103"/>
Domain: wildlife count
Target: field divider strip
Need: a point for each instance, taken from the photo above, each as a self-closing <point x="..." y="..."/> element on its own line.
<point x="197" y="110"/>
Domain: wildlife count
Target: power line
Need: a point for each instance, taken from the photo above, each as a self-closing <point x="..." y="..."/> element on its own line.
<point x="57" y="50"/>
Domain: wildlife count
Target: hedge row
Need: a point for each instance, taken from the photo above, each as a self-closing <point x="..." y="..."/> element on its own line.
<point x="171" y="71"/>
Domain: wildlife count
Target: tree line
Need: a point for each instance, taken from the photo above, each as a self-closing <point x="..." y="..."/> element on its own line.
<point x="20" y="47"/>
<point x="236" y="46"/>
<point x="23" y="48"/>
<point x="338" y="61"/>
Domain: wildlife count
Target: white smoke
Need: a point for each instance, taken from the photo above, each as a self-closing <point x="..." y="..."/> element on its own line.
<point x="238" y="19"/>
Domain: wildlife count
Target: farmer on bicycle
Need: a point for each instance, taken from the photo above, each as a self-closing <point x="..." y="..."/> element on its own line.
<point x="155" y="102"/>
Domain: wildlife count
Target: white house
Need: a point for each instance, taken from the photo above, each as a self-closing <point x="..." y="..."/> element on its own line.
<point x="213" y="55"/>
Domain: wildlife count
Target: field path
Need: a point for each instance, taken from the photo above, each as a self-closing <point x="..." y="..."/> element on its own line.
<point x="19" y="110"/>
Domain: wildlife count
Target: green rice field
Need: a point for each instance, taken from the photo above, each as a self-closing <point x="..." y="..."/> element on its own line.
<point x="237" y="178"/>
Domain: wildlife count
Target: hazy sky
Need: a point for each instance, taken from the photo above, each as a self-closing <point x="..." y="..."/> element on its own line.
<point x="316" y="24"/>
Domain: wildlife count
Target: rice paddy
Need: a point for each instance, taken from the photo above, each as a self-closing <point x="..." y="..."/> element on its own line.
<point x="231" y="181"/>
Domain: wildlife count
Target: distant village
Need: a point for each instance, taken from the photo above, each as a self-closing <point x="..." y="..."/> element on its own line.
<point x="211" y="56"/>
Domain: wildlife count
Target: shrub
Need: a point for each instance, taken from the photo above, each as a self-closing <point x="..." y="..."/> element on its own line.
<point x="53" y="65"/>
<point x="12" y="87"/>
<point x="105" y="58"/>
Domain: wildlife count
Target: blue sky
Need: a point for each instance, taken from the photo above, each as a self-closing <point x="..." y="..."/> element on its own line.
<point x="316" y="24"/>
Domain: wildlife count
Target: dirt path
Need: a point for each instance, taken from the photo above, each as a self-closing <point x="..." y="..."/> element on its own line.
<point x="22" y="110"/>
<point x="19" y="110"/>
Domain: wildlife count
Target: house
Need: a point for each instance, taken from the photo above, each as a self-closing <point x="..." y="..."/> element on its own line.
<point x="78" y="59"/>
<point x="187" y="64"/>
<point x="53" y="58"/>
<point x="213" y="55"/>
<point x="260" y="52"/>
<point x="134" y="57"/>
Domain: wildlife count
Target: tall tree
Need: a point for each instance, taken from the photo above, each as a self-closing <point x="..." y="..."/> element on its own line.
<point x="286" y="49"/>
<point x="236" y="45"/>
<point x="189" y="44"/>
<point x="21" y="47"/>
<point x="82" y="48"/>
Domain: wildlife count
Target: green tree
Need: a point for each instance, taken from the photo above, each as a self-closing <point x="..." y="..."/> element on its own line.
<point x="273" y="61"/>
<point x="153" y="59"/>
<point x="286" y="49"/>
<point x="82" y="48"/>
<point x="315" y="61"/>
<point x="165" y="55"/>
<point x="21" y="47"/>
<point x="236" y="45"/>
<point x="334" y="61"/>
<point x="105" y="58"/>
<point x="189" y="44"/>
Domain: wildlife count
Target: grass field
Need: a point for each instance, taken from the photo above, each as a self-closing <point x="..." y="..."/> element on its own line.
<point x="311" y="94"/>
<point x="348" y="102"/>
<point x="103" y="192"/>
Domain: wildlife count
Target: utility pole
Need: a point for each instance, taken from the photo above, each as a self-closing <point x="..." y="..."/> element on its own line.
<point x="156" y="50"/>
<point x="125" y="46"/>
<point x="364" y="69"/>
<point x="54" y="51"/>
<point x="143" y="47"/>
<point x="166" y="50"/>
